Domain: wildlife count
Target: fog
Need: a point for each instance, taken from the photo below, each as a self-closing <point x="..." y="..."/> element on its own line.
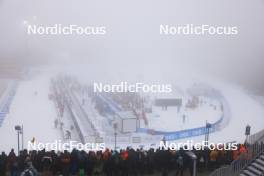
<point x="133" y="42"/>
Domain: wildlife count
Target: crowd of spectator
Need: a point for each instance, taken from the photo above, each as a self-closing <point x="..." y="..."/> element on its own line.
<point x="113" y="163"/>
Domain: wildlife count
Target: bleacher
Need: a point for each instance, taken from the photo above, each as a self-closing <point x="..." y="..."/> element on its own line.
<point x="249" y="164"/>
<point x="255" y="168"/>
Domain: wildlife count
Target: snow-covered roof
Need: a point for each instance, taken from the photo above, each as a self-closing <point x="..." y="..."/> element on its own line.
<point x="126" y="115"/>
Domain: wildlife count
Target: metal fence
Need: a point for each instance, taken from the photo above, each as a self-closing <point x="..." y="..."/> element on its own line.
<point x="254" y="145"/>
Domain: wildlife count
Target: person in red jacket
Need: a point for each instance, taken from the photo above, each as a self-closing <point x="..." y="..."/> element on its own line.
<point x="242" y="149"/>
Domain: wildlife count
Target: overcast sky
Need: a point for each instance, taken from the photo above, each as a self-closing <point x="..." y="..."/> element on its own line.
<point x="133" y="41"/>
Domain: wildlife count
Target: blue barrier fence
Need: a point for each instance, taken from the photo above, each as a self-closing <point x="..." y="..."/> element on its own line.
<point x="175" y="135"/>
<point x="6" y="100"/>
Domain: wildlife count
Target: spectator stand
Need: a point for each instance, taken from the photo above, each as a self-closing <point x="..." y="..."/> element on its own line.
<point x="255" y="147"/>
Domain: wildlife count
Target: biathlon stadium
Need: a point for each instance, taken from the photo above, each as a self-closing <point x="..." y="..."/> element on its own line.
<point x="131" y="88"/>
<point x="68" y="110"/>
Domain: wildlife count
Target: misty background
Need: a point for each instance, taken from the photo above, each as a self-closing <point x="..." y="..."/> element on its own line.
<point x="133" y="42"/>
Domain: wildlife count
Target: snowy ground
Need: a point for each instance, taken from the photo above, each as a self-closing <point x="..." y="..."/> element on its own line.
<point x="32" y="108"/>
<point x="171" y="120"/>
<point x="244" y="111"/>
<point x="37" y="113"/>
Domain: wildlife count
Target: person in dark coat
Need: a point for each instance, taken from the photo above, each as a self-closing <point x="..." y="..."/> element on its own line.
<point x="74" y="162"/>
<point x="12" y="164"/>
<point x="46" y="162"/>
<point x="180" y="160"/>
<point x="3" y="163"/>
<point x="65" y="161"/>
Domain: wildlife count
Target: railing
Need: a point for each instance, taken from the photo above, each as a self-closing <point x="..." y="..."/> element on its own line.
<point x="223" y="171"/>
<point x="194" y="159"/>
<point x="80" y="134"/>
<point x="56" y="88"/>
<point x="254" y="148"/>
<point x="257" y="137"/>
<point x="76" y="112"/>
